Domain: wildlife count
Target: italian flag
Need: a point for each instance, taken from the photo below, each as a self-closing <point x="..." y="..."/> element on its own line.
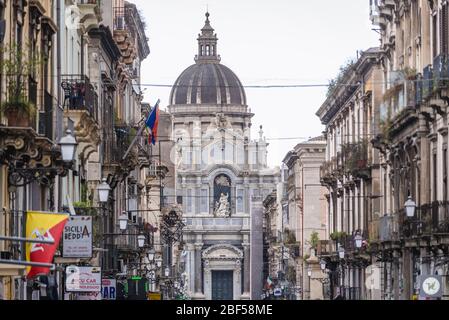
<point x="269" y="281"/>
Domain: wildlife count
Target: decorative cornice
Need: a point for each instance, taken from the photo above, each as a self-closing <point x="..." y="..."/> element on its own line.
<point x="236" y="253"/>
<point x="107" y="41"/>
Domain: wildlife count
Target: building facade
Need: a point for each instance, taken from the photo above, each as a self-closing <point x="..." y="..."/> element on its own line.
<point x="412" y="144"/>
<point x="80" y="72"/>
<point x="351" y="173"/>
<point x="219" y="168"/>
<point x="305" y="216"/>
<point x="295" y="221"/>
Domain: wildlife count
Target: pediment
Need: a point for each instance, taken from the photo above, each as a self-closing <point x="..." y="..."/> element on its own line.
<point x="222" y="252"/>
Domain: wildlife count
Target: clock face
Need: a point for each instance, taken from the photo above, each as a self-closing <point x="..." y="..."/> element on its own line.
<point x="431" y="286"/>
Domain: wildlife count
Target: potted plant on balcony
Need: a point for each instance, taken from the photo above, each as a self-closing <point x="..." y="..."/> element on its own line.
<point x="338" y="236"/>
<point x="18" y="67"/>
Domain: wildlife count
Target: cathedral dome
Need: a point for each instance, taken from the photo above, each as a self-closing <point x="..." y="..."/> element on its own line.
<point x="207" y="81"/>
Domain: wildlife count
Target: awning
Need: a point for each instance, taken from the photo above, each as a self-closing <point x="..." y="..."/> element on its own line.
<point x="8" y="270"/>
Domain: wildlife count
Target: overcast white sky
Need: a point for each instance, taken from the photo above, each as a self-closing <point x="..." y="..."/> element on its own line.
<point x="264" y="42"/>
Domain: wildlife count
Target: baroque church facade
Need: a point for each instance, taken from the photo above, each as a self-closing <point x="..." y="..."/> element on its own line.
<point x="221" y="177"/>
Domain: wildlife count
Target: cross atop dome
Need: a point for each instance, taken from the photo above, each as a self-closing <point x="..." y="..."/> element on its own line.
<point x="207" y="44"/>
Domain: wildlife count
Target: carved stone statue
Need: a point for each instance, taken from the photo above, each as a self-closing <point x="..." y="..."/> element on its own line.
<point x="222" y="206"/>
<point x="221" y="121"/>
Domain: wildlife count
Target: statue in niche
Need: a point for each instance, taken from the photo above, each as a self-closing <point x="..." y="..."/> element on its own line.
<point x="222" y="196"/>
<point x="222" y="206"/>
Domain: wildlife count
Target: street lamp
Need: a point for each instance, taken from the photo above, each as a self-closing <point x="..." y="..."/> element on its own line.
<point x="323" y="265"/>
<point x="159" y="262"/>
<point x="410" y="207"/>
<point x="167" y="271"/>
<point x="141" y="240"/>
<point x="341" y="252"/>
<point x="309" y="272"/>
<point x="151" y="253"/>
<point x="103" y="191"/>
<point x="358" y="239"/>
<point x="123" y="221"/>
<point x="68" y="146"/>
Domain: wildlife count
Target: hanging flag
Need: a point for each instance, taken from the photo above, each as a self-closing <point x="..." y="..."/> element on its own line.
<point x="152" y="123"/>
<point x="269" y="282"/>
<point x="44" y="226"/>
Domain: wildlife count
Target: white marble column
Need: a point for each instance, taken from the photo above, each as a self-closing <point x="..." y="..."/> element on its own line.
<point x="198" y="272"/>
<point x="246" y="271"/>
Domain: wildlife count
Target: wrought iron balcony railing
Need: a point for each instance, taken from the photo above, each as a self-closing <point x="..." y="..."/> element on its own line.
<point x="427" y="82"/>
<point x="79" y="94"/>
<point x="440" y="71"/>
<point x="428" y="220"/>
<point x="326" y="248"/>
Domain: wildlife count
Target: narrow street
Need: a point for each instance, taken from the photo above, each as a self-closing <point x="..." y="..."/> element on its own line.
<point x="231" y="150"/>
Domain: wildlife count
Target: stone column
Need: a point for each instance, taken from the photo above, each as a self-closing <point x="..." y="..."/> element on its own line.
<point x="246" y="271"/>
<point x="198" y="274"/>
<point x="425" y="159"/>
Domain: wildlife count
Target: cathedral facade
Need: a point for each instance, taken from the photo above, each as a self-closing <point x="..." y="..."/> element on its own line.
<point x="221" y="175"/>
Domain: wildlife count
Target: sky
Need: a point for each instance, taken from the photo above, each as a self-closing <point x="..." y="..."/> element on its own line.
<point x="277" y="42"/>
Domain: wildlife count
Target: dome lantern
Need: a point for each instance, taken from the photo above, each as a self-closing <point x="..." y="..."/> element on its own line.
<point x="207" y="44"/>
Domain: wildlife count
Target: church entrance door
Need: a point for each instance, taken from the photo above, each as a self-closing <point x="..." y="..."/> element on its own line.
<point x="222" y="285"/>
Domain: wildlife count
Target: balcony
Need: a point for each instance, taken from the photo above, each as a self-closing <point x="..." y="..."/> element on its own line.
<point x="326" y="248"/>
<point x="441" y="78"/>
<point x="220" y="224"/>
<point x="389" y="228"/>
<point x="81" y="106"/>
<point x="128" y="241"/>
<point x="329" y="172"/>
<point x="356" y="160"/>
<point x="427" y="82"/>
<point x="79" y="94"/>
<point x="120" y="142"/>
<point x="440" y="71"/>
<point x="434" y="218"/>
<point x="429" y="220"/>
<point x="90" y="13"/>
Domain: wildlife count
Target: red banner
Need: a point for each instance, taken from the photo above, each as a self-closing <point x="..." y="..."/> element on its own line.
<point x="43" y="226"/>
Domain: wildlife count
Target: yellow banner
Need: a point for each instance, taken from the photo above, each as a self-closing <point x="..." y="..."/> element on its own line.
<point x="43" y="226"/>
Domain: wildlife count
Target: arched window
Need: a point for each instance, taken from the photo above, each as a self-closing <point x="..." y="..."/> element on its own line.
<point x="202" y="50"/>
<point x="222" y="196"/>
<point x="207" y="50"/>
<point x="212" y="51"/>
